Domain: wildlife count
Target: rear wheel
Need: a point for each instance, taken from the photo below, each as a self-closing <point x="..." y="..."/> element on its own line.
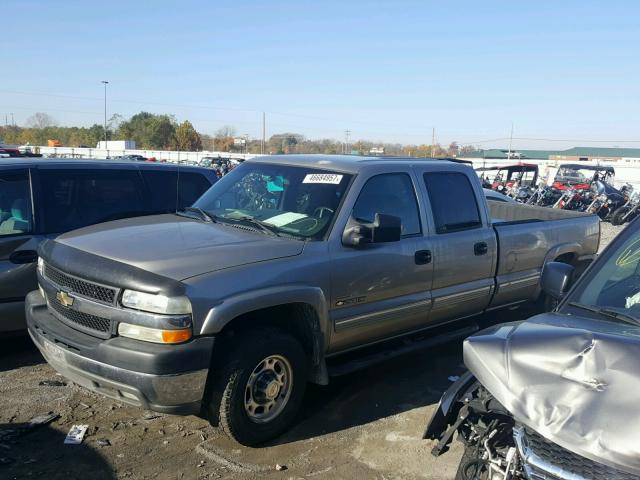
<point x="616" y="218"/>
<point x="260" y="387"/>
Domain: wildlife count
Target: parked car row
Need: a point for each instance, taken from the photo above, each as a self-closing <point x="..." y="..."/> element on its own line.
<point x="284" y="266"/>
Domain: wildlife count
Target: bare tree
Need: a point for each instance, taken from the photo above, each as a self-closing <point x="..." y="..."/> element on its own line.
<point x="41" y="120"/>
<point x="226" y="131"/>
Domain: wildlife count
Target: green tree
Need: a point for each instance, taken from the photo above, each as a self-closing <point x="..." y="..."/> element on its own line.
<point x="186" y="138"/>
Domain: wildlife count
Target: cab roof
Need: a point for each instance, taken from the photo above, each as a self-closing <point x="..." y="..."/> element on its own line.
<point x="346" y="163"/>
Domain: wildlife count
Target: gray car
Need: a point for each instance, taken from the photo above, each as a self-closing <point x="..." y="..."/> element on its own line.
<point x="555" y="396"/>
<point x="40" y="199"/>
<point x="282" y="267"/>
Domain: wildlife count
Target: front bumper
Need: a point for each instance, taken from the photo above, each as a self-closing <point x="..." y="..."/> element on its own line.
<point x="104" y="366"/>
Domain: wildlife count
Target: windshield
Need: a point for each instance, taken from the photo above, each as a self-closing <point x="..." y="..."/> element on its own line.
<point x="298" y="201"/>
<point x="615" y="284"/>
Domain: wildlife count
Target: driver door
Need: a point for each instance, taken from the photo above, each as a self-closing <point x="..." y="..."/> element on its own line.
<point x="383" y="289"/>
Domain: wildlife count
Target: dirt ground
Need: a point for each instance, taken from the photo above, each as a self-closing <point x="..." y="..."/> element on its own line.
<point x="364" y="425"/>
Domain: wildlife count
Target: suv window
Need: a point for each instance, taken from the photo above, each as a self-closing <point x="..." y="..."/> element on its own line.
<point x="391" y="194"/>
<point x="162" y="189"/>
<point x="15" y="203"/>
<point x="453" y="201"/>
<point x="76" y="198"/>
<point x="192" y="186"/>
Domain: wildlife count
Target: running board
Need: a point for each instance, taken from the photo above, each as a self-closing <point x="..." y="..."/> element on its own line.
<point x="357" y="360"/>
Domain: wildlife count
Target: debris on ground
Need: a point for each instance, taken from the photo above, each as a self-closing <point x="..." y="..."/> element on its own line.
<point x="103" y="442"/>
<point x="76" y="434"/>
<point x="52" y="383"/>
<point x="453" y="378"/>
<point x="151" y="416"/>
<point x="280" y="468"/>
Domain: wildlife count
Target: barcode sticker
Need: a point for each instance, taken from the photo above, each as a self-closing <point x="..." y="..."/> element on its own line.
<point x="330" y="178"/>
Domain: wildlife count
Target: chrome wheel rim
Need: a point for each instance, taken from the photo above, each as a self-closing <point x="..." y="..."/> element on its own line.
<point x="268" y="389"/>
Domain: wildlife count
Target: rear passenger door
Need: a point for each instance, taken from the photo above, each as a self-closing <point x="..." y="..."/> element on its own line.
<point x="18" y="246"/>
<point x="463" y="246"/>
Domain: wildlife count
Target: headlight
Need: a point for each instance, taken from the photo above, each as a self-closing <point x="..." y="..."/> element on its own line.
<point x="154" y="335"/>
<point x="41" y="266"/>
<point x="149" y="302"/>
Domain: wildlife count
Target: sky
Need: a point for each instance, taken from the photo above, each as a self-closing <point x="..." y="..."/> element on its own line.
<point x="563" y="73"/>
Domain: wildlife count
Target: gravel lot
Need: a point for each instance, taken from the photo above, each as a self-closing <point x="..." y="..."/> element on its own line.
<point x="364" y="425"/>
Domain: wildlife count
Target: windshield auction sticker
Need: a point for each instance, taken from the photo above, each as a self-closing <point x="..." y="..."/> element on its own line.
<point x="330" y="178"/>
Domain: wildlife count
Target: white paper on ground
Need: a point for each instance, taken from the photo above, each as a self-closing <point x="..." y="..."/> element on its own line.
<point x="76" y="434"/>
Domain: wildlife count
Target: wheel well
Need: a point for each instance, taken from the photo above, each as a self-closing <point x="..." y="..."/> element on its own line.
<point x="297" y="319"/>
<point x="566" y="258"/>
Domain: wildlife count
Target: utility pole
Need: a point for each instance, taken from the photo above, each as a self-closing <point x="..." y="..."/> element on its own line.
<point x="13" y="122"/>
<point x="510" y="141"/>
<point x="263" y="133"/>
<point x="105" y="112"/>
<point x="433" y="142"/>
<point x="346" y="141"/>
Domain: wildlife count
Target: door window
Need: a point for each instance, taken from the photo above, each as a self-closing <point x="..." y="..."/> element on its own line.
<point x="15" y="203"/>
<point x="453" y="201"/>
<point x="76" y="198"/>
<point x="390" y="194"/>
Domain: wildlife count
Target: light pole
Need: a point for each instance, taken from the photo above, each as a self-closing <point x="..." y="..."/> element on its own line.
<point x="105" y="83"/>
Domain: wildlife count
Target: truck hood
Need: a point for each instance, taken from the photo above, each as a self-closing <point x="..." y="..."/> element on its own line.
<point x="575" y="381"/>
<point x="178" y="247"/>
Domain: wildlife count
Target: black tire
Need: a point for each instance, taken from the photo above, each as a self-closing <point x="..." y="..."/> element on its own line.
<point x="616" y="218"/>
<point x="469" y="463"/>
<point x="226" y="397"/>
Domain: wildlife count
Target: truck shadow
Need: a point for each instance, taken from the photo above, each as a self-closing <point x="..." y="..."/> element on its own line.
<point x="395" y="386"/>
<point x="40" y="452"/>
<point x="18" y="351"/>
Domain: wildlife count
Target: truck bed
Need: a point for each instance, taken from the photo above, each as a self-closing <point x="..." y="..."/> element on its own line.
<point x="529" y="236"/>
<point x="504" y="213"/>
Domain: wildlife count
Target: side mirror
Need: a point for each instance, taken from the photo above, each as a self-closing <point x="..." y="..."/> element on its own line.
<point x="385" y="228"/>
<point x="556" y="279"/>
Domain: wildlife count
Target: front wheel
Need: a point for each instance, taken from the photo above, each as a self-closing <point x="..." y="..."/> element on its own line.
<point x="260" y="387"/>
<point x="472" y="466"/>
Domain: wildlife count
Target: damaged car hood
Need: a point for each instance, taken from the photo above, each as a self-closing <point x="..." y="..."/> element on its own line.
<point x="574" y="380"/>
<point x="178" y="247"/>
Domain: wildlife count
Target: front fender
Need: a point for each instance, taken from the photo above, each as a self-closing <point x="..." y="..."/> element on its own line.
<point x="224" y="312"/>
<point x="447" y="411"/>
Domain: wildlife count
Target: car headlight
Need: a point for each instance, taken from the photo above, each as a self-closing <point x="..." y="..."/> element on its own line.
<point x="41" y="266"/>
<point x="149" y="302"/>
<point x="155" y="335"/>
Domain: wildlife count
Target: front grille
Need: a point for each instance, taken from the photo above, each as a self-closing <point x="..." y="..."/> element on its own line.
<point x="81" y="287"/>
<point x="85" y="320"/>
<point x="557" y="456"/>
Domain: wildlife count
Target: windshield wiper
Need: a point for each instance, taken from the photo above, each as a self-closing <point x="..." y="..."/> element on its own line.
<point x="207" y="217"/>
<point x="608" y="312"/>
<point x="264" y="226"/>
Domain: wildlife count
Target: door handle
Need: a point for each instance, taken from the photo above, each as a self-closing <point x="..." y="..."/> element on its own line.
<point x="480" y="248"/>
<point x="23" y="256"/>
<point x="422" y="257"/>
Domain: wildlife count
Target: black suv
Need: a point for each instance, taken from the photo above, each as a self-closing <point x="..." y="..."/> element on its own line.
<point x="40" y="198"/>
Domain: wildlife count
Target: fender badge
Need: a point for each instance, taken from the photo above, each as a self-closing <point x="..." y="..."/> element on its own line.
<point x="64" y="298"/>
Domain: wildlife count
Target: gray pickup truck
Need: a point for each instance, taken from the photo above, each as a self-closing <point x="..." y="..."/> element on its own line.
<point x="230" y="307"/>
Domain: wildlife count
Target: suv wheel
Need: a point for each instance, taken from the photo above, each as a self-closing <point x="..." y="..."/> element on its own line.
<point x="260" y="387"/>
